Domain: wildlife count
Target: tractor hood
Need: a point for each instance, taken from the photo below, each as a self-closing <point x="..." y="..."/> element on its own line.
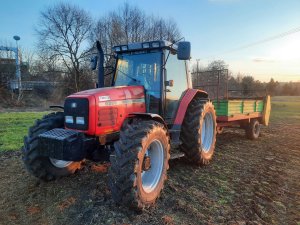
<point x="113" y="93"/>
<point x="101" y="111"/>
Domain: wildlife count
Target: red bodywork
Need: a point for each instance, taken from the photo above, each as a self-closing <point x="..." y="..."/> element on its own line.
<point x="109" y="107"/>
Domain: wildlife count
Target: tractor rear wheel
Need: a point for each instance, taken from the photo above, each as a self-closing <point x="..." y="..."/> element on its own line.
<point x="253" y="129"/>
<point x="198" y="131"/>
<point x="45" y="168"/>
<point x="139" y="163"/>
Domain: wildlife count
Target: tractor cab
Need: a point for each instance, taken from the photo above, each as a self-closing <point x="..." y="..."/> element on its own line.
<point x="156" y="67"/>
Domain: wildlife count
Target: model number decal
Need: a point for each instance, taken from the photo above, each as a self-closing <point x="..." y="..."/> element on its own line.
<point x="122" y="102"/>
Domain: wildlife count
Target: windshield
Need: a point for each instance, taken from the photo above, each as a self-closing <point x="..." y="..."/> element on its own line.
<point x="139" y="69"/>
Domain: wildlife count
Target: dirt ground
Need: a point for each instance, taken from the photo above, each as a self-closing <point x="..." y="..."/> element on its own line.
<point x="248" y="182"/>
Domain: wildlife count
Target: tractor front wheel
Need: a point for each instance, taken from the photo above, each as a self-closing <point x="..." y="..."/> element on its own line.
<point x="42" y="167"/>
<point x="139" y="163"/>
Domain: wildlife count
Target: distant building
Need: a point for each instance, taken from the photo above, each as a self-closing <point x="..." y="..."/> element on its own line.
<point x="8" y="71"/>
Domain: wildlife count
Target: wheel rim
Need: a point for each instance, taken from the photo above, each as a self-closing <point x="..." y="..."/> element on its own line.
<point x="207" y="132"/>
<point x="60" y="163"/>
<point x="256" y="129"/>
<point x="151" y="177"/>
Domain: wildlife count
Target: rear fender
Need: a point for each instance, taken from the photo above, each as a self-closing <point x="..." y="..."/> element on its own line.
<point x="189" y="95"/>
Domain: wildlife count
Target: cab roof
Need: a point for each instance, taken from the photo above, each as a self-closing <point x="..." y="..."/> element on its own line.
<point x="148" y="45"/>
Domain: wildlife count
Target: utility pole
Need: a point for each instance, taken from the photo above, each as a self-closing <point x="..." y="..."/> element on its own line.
<point x="197" y="71"/>
<point x="18" y="67"/>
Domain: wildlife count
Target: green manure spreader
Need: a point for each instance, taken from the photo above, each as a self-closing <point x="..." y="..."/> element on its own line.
<point x="246" y="109"/>
<point x="248" y="114"/>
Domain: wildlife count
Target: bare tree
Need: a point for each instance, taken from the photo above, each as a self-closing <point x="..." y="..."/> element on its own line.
<point x="63" y="32"/>
<point x="130" y="24"/>
<point x="217" y="65"/>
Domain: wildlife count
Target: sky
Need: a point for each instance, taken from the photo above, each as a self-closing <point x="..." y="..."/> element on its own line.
<point x="217" y="29"/>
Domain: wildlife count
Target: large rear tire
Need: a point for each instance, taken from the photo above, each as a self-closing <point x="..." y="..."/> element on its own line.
<point x="139" y="163"/>
<point x="42" y="167"/>
<point x="198" y="131"/>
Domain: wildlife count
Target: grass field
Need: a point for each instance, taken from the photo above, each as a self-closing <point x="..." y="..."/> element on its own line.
<point x="286" y="109"/>
<point x="14" y="126"/>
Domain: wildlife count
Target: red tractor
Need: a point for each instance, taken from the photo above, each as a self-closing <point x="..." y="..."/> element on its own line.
<point x="149" y="106"/>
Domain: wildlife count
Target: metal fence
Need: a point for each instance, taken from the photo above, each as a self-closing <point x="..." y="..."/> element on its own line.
<point x="214" y="82"/>
<point x="218" y="86"/>
<point x="30" y="85"/>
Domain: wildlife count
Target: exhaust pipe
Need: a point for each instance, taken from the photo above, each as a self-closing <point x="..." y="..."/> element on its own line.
<point x="100" y="65"/>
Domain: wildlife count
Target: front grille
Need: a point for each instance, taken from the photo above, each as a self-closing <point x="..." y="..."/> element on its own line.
<point x="77" y="107"/>
<point x="107" y="117"/>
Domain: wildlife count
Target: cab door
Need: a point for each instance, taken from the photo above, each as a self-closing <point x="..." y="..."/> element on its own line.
<point x="175" y="71"/>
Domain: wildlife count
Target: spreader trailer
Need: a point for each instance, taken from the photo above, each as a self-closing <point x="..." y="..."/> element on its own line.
<point x="148" y="106"/>
<point x="247" y="114"/>
<point x="238" y="108"/>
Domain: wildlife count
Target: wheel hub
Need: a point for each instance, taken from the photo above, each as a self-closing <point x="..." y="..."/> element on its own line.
<point x="146" y="163"/>
<point x="59" y="163"/>
<point x="152" y="166"/>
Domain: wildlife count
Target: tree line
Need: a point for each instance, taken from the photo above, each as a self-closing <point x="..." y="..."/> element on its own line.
<point x="66" y="35"/>
<point x="247" y="85"/>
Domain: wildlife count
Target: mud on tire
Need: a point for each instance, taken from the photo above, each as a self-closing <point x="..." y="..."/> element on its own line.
<point x="129" y="179"/>
<point x="198" y="131"/>
<point x="40" y="166"/>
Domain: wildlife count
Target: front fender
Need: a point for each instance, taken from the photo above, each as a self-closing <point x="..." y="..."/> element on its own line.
<point x="151" y="116"/>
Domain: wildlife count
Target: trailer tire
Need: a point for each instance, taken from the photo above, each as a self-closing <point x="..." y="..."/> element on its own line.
<point x="42" y="167"/>
<point x="139" y="163"/>
<point x="198" y="131"/>
<point x="253" y="129"/>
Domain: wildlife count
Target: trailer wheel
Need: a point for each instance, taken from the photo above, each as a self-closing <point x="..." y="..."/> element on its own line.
<point x="253" y="129"/>
<point x="198" y="132"/>
<point x="139" y="163"/>
<point x="42" y="167"/>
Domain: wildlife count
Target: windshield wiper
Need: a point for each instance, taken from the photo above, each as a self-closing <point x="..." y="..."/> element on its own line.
<point x="132" y="78"/>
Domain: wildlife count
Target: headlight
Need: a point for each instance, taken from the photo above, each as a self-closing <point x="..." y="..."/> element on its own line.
<point x="155" y="44"/>
<point x="146" y="45"/>
<point x="69" y="119"/>
<point x="124" y="48"/>
<point x="80" y="120"/>
<point x="117" y="49"/>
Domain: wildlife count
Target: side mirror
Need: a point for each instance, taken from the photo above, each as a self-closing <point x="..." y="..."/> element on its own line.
<point x="93" y="62"/>
<point x="184" y="50"/>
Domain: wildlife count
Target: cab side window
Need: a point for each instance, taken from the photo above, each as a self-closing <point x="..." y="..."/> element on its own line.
<point x="176" y="71"/>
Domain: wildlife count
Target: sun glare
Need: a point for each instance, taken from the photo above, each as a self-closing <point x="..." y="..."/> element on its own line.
<point x="289" y="50"/>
